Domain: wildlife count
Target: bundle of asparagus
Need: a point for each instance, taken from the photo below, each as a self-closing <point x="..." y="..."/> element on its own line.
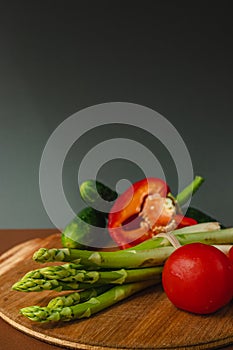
<point x="101" y="279"/>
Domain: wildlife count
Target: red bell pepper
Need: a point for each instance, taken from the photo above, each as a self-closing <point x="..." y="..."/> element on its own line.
<point x="142" y="211"/>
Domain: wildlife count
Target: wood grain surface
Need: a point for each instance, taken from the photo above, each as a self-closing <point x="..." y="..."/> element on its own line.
<point x="145" y="321"/>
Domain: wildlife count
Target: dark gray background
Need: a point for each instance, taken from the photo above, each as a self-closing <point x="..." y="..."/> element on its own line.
<point x="59" y="57"/>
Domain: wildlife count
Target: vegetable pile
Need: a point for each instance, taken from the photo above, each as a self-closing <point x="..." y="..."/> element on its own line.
<point x="156" y="244"/>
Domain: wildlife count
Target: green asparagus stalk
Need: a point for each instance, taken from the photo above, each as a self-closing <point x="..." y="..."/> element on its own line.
<point x="188" y="191"/>
<point x="88" y="308"/>
<point x="68" y="273"/>
<point x="201" y="227"/>
<point x="106" y="260"/>
<point x="149" y="253"/>
<point x="76" y="297"/>
<point x="87" y="279"/>
<point x="56" y="272"/>
<point x="224" y="236"/>
<point x="39" y="285"/>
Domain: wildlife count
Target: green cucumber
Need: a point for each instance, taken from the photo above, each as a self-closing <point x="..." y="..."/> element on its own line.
<point x="82" y="229"/>
<point x="79" y="231"/>
<point x="92" y="190"/>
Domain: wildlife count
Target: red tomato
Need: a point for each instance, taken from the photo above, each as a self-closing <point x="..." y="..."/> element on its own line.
<point x="198" y="278"/>
<point x="231" y="254"/>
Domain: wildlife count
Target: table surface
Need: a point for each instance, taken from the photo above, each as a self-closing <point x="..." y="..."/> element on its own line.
<point x="10" y="337"/>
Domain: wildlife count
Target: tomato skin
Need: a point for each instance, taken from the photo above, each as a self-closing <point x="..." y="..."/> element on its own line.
<point x="198" y="278"/>
<point x="231" y="254"/>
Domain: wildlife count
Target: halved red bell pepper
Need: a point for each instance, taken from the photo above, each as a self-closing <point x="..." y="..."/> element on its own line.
<point x="142" y="211"/>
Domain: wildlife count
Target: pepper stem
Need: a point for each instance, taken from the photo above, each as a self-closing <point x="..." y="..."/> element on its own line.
<point x="188" y="191"/>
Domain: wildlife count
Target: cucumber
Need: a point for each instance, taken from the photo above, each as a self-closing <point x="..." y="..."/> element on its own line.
<point x="90" y="191"/>
<point x="78" y="233"/>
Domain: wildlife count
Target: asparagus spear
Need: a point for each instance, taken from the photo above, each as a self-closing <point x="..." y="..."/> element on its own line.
<point x="76" y="297"/>
<point x="58" y="272"/>
<point x="112" y="260"/>
<point x="149" y="253"/>
<point x="88" y="308"/>
<point x="201" y="227"/>
<point x="38" y="285"/>
<point x="87" y="279"/>
<point x="224" y="236"/>
<point x="68" y="273"/>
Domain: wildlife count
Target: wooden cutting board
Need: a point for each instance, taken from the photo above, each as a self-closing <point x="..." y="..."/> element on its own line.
<point x="145" y="321"/>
